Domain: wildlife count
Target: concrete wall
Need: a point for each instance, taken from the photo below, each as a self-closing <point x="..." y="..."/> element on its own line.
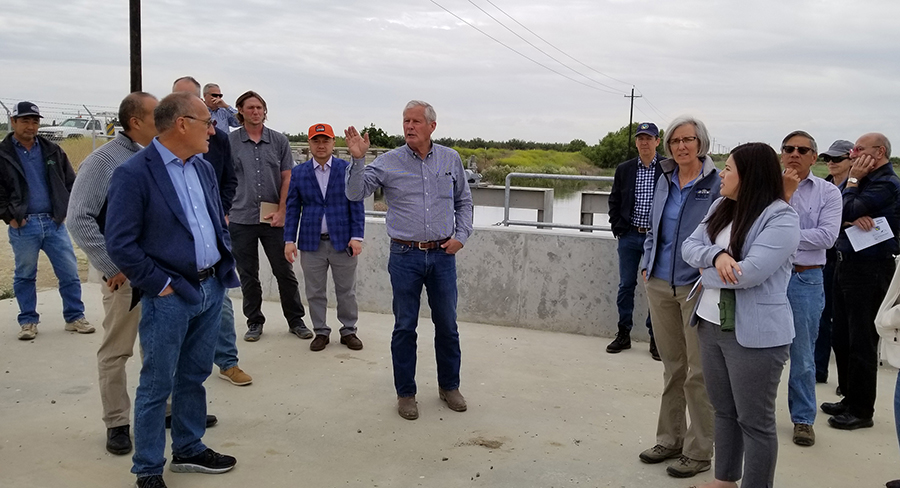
<point x="564" y="282"/>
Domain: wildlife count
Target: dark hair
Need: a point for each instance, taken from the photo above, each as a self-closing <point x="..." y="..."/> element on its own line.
<point x="243" y="98"/>
<point x="175" y="105"/>
<point x="132" y="106"/>
<point x="760" y="184"/>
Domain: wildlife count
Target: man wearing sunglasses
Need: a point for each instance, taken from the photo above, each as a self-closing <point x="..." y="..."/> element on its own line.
<point x="222" y="114"/>
<point x="861" y="279"/>
<point x="818" y="203"/>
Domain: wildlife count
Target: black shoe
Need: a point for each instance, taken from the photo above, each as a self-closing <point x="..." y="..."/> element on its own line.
<point x="301" y="331"/>
<point x="118" y="440"/>
<point x="848" y="421"/>
<point x="654" y="352"/>
<point x="622" y="342"/>
<point x="210" y="421"/>
<point x="837" y="391"/>
<point x="821" y="378"/>
<point x="253" y="332"/>
<point x="208" y="461"/>
<point x="152" y="481"/>
<point x="835" y="408"/>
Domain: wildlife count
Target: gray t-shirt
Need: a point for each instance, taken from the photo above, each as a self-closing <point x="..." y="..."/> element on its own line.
<point x="258" y="168"/>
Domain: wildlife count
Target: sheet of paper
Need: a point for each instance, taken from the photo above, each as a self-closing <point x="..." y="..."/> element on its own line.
<point x="266" y="208"/>
<point x="861" y="239"/>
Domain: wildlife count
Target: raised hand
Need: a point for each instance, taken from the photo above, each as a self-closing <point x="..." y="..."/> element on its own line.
<point x="356" y="144"/>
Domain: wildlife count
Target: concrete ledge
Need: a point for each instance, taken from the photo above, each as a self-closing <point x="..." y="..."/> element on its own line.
<point x="560" y="282"/>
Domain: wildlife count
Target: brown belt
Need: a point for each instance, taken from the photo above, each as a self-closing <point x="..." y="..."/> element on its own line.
<point x="424" y="246"/>
<point x="799" y="268"/>
<point x="640" y="230"/>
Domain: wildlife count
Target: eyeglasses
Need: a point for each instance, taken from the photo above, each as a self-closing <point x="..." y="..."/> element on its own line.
<point x="685" y="140"/>
<point x="859" y="149"/>
<point x="216" y="95"/>
<point x="834" y="159"/>
<point x="800" y="149"/>
<point x="209" y="122"/>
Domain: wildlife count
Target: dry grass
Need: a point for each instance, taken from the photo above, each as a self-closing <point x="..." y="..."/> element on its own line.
<point x="78" y="149"/>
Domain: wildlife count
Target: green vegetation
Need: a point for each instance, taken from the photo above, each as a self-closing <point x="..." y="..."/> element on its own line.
<point x="494" y="164"/>
<point x="6" y="293"/>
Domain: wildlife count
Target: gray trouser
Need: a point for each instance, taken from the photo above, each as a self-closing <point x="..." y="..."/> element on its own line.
<point x="742" y="383"/>
<point x="315" y="278"/>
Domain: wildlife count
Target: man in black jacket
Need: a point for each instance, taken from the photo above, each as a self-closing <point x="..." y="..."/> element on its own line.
<point x="35" y="180"/>
<point x="629" y="217"/>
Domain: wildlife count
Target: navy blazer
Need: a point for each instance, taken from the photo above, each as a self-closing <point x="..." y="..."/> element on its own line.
<point x="621" y="197"/>
<point x="306" y="204"/>
<point x="147" y="233"/>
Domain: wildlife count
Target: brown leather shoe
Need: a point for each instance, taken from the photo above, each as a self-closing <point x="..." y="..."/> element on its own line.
<point x="407" y="408"/>
<point x="319" y="342"/>
<point x="454" y="399"/>
<point x="352" y="342"/>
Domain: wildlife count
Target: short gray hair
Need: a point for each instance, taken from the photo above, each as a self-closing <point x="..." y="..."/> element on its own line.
<point x="699" y="128"/>
<point x="801" y="133"/>
<point x="430" y="114"/>
<point x="209" y="86"/>
<point x="175" y="105"/>
<point x="887" y="145"/>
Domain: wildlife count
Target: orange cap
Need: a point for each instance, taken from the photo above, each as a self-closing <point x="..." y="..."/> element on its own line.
<point x="320" y="130"/>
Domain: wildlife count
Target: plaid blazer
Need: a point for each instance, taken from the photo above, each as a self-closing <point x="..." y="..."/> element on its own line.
<point x="307" y="205"/>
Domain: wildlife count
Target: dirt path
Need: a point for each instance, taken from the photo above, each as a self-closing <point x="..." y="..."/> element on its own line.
<point x="45" y="279"/>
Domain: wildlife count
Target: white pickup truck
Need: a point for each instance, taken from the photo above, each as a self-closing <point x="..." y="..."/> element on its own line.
<point x="79" y="126"/>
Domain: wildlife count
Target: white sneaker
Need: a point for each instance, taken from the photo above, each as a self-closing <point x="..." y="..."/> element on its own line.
<point x="82" y="326"/>
<point x="28" y="332"/>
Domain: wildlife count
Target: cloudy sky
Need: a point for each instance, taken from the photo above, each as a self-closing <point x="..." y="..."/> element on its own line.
<point x="750" y="70"/>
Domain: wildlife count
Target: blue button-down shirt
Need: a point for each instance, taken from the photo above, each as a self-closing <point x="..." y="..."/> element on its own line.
<point x="193" y="202"/>
<point x="36" y="176"/>
<point x="668" y="227"/>
<point x="428" y="199"/>
<point x="818" y="203"/>
<point x="224" y="118"/>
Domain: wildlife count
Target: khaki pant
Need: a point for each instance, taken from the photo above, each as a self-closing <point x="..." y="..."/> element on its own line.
<point x="683" y="384"/>
<point x="120" y="328"/>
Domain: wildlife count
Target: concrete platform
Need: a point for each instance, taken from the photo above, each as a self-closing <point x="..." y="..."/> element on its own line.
<point x="545" y="410"/>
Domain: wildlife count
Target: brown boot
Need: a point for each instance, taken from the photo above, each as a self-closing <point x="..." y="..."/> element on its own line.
<point x="406" y="407"/>
<point x="454" y="399"/>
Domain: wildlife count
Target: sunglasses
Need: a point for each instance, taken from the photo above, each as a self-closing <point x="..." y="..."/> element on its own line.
<point x="800" y="149"/>
<point x="834" y="159"/>
<point x="216" y="95"/>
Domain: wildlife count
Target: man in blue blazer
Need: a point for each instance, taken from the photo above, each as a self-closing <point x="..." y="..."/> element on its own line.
<point x="331" y="234"/>
<point x="166" y="231"/>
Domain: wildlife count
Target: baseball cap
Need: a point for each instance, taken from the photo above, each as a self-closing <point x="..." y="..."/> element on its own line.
<point x="320" y="130"/>
<point x="839" y="147"/>
<point x="26" y="108"/>
<point x="648" y="128"/>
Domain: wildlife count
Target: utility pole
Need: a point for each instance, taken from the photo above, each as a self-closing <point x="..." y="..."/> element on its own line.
<point x="134" y="23"/>
<point x="630" y="122"/>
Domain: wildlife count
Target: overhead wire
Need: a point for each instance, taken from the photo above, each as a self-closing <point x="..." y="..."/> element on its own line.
<point x="521" y="54"/>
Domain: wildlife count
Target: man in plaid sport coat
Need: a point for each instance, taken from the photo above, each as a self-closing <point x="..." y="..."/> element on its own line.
<point x="331" y="234"/>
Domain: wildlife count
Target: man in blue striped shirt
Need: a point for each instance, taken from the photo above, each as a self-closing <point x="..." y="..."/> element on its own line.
<point x="429" y="219"/>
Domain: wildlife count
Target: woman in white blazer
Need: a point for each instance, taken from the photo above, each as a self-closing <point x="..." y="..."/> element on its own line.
<point x="743" y="249"/>
<point x="887" y="323"/>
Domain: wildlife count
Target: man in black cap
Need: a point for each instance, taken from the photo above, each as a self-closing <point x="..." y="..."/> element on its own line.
<point x="629" y="217"/>
<point x="35" y="180"/>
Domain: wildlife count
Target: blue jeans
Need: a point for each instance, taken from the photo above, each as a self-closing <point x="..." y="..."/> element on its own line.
<point x="41" y="233"/>
<point x="807" y="296"/>
<point x="410" y="269"/>
<point x="226" y="348"/>
<point x="897" y="406"/>
<point x="178" y="341"/>
<point x="630" y="248"/>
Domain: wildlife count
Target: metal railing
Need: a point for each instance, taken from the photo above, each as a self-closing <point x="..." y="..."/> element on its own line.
<point x="548" y="225"/>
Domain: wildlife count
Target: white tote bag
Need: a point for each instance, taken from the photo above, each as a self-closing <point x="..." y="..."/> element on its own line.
<point x="887" y="321"/>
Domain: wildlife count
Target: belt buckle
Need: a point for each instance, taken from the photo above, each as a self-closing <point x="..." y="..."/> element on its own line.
<point x="419" y="245"/>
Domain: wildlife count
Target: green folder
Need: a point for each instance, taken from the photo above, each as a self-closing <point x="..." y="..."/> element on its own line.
<point x="726" y="309"/>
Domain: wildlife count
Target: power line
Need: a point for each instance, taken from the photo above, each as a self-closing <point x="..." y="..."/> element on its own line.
<point x="554" y="47"/>
<point x="520" y="54"/>
<point x="539" y="49"/>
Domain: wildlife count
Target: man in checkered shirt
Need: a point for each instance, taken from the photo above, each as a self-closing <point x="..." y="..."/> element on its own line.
<point x="629" y="217"/>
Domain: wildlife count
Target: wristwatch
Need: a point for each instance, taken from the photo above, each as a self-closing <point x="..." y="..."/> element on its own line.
<point x="853" y="180"/>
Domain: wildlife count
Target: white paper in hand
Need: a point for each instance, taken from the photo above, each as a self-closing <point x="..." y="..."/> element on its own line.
<point x="861" y="239"/>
